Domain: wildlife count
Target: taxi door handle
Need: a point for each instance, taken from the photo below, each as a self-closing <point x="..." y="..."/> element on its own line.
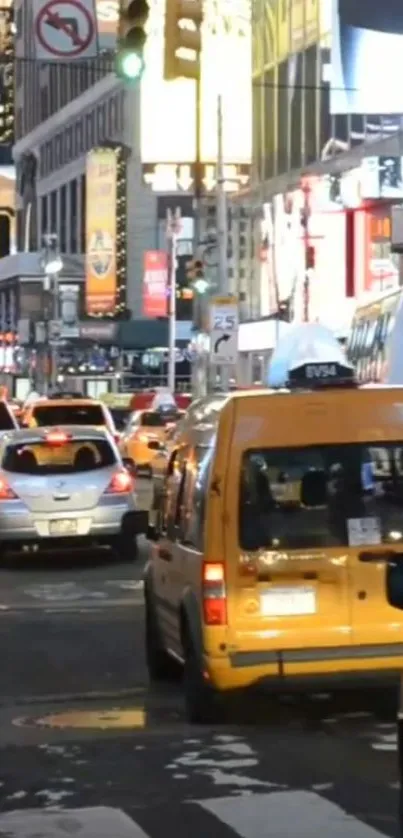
<point x="165" y="554"/>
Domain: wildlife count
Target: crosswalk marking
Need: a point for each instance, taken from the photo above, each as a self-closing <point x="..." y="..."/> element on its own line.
<point x="99" y="822"/>
<point x="245" y="816"/>
<point x="271" y="814"/>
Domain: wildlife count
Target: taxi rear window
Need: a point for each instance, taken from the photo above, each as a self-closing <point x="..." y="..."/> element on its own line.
<point x="68" y="414"/>
<point x="152" y="419"/>
<point x="74" y="456"/>
<point x="321" y="496"/>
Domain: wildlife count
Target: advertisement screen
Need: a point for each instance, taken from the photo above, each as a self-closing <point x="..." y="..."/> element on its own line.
<point x="101" y="189"/>
<point x="155" y="283"/>
<point x="367" y="57"/>
<point x="168" y="108"/>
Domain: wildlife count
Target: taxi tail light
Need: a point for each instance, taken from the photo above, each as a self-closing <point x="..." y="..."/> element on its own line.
<point x="214" y="594"/>
<point x="57" y="438"/>
<point x="6" y="492"/>
<point x="121" y="484"/>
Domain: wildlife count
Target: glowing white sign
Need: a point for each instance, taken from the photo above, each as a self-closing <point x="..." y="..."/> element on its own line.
<point x="168" y="108"/>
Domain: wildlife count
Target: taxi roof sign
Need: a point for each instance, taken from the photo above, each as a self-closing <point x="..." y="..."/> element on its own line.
<point x="309" y="356"/>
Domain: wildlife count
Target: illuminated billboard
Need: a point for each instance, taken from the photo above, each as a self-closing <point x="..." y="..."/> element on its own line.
<point x="168" y="108"/>
<point x="100" y="234"/>
<point x="367" y="57"/>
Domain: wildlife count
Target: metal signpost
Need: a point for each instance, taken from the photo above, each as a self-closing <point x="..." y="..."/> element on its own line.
<point x="172" y="231"/>
<point x="224" y="327"/>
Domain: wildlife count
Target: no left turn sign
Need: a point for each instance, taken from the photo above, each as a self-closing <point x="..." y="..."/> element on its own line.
<point x="65" y="29"/>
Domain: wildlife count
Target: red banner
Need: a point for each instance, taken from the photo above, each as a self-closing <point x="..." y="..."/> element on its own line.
<point x="155" y="284"/>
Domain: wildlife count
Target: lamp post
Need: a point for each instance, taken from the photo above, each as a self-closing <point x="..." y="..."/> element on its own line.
<point x="52" y="264"/>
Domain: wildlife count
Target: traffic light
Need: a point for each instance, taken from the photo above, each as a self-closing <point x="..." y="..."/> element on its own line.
<point x="182" y="39"/>
<point x="194" y="270"/>
<point x="132" y="36"/>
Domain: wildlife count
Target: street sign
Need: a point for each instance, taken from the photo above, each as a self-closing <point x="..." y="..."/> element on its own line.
<point x="55" y="329"/>
<point x="224" y="325"/>
<point x="65" y="29"/>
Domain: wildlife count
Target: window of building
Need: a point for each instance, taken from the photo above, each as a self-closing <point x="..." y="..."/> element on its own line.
<point x="89" y="131"/>
<point x="68" y="140"/>
<point x="53" y="212"/>
<point x="78" y="132"/>
<point x="53" y="89"/>
<point x="112" y="116"/>
<point x="83" y="198"/>
<point x="73" y="216"/>
<point x="44" y="103"/>
<point x="64" y="221"/>
<point x="44" y="214"/>
<point x="101" y="123"/>
<point x="59" y="150"/>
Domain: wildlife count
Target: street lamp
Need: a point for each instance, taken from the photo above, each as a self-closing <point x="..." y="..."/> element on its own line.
<point x="52" y="264"/>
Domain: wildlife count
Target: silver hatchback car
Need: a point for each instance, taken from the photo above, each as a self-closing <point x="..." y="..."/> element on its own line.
<point x="67" y="487"/>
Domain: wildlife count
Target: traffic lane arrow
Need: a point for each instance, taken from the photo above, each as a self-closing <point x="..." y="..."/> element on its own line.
<point x="219" y="341"/>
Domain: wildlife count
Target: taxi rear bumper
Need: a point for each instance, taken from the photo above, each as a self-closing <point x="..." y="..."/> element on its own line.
<point x="302" y="669"/>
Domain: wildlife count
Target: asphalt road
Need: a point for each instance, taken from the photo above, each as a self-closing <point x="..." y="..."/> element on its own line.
<point x="87" y="749"/>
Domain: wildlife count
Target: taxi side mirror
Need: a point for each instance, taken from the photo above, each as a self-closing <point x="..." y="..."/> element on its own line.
<point x="394" y="583"/>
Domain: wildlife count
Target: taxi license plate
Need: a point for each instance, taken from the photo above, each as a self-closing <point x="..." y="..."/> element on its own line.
<point x="67" y="526"/>
<point x="288" y="602"/>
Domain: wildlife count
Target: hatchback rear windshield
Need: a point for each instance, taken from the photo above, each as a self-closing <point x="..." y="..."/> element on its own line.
<point x="153" y="420"/>
<point x="7" y="421"/>
<point x="321" y="496"/>
<point x="75" y="456"/>
<point x="68" y="414"/>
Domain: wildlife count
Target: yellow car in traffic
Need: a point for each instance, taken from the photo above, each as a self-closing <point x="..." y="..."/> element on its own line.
<point x="142" y="439"/>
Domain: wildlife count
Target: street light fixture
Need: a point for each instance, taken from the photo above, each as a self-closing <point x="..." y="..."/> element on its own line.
<point x="52" y="264"/>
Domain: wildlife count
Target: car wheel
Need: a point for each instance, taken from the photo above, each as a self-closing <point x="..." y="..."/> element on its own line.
<point x="126" y="548"/>
<point x="160" y="665"/>
<point x="201" y="700"/>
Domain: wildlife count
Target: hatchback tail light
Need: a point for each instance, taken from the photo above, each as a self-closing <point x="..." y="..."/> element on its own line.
<point x="214" y="594"/>
<point x="121" y="484"/>
<point x="116" y="438"/>
<point x="6" y="492"/>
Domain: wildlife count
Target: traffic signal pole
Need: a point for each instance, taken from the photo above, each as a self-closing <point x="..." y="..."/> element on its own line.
<point x="222" y="225"/>
<point x="197" y="197"/>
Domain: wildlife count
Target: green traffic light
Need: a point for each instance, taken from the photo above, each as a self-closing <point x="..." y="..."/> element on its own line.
<point x="131" y="66"/>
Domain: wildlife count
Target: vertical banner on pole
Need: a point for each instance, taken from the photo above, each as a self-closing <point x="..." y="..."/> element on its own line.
<point x="155" y="283"/>
<point x="101" y="234"/>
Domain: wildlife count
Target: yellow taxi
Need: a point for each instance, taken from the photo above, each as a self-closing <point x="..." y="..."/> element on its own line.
<point x="143" y="437"/>
<point x="65" y="410"/>
<point x="272" y="538"/>
<point x="119" y="406"/>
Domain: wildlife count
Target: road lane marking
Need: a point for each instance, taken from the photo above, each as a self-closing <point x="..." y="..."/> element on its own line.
<point x="97" y="822"/>
<point x="270" y="814"/>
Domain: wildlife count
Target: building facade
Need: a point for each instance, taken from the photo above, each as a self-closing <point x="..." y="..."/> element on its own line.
<point x="317" y="218"/>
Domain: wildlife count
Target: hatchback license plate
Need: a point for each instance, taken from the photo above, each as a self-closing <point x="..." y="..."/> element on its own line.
<point x="288" y="602"/>
<point x="67" y="526"/>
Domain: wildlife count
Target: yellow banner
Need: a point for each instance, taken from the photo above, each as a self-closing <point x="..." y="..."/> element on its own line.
<point x="101" y="194"/>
